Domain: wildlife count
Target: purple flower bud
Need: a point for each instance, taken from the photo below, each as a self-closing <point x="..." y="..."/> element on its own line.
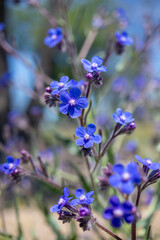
<point x="48" y="90"/>
<point x="84" y="212"/>
<point x="89" y="76"/>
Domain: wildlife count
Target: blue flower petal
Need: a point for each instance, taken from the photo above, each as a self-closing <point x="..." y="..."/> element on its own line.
<point x="89" y="200"/>
<point x="80" y="132"/>
<point x="89" y="194"/>
<point x="140" y="159"/>
<point x="88" y="144"/>
<point x="54" y="84"/>
<point x="74" y="112"/>
<point x="74" y="93"/>
<point x="154" y="166"/>
<point x="114" y="201"/>
<point x="64" y="97"/>
<point x="65" y="193"/>
<point x="129" y="218"/>
<point x="96" y="138"/>
<point x="54" y="92"/>
<point x="128" y="117"/>
<point x="79" y="192"/>
<point x="108" y="213"/>
<point x="114" y="180"/>
<point x="80" y="141"/>
<point x="102" y="69"/>
<point x="97" y="60"/>
<point x="115" y="117"/>
<point x="86" y="65"/>
<point x="64" y="79"/>
<point x="82" y="102"/>
<point x="52" y="31"/>
<point x="132" y="167"/>
<point x="17" y="162"/>
<point x="55" y="208"/>
<point x="70" y="84"/>
<point x="74" y="202"/>
<point x="6" y="166"/>
<point x="116" y="222"/>
<point x="127" y="187"/>
<point x="10" y="159"/>
<point x="118" y="168"/>
<point x="91" y="128"/>
<point x="119" y="111"/>
<point x="63" y="108"/>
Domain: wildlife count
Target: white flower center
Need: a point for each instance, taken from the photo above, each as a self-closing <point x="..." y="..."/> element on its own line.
<point x="123" y="39"/>
<point x="122" y="118"/>
<point x="72" y="102"/>
<point x="86" y="136"/>
<point x="82" y="198"/>
<point x="61" y="84"/>
<point x="149" y="162"/>
<point x="11" y="165"/>
<point x="125" y="176"/>
<point x="94" y="65"/>
<point x="54" y="36"/>
<point x="61" y="201"/>
<point x="118" y="212"/>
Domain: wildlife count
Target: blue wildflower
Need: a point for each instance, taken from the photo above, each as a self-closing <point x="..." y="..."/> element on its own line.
<point x="123" y="39"/>
<point x="62" y="85"/>
<point x="54" y="37"/>
<point x="117" y="212"/>
<point x="10" y="166"/>
<point x="94" y="65"/>
<point x="125" y="178"/>
<point x="62" y="202"/>
<point x="1" y="26"/>
<point x="87" y="137"/>
<point x="122" y="118"/>
<point x="72" y="102"/>
<point x="82" y="197"/>
<point x="147" y="162"/>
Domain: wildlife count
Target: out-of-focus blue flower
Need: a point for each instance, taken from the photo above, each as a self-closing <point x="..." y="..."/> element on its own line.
<point x="10" y="166"/>
<point x="125" y="178"/>
<point x="78" y="84"/>
<point x="63" y="200"/>
<point x="117" y="212"/>
<point x="94" y="65"/>
<point x="72" y="102"/>
<point x="82" y="198"/>
<point x="54" y="37"/>
<point x="123" y="39"/>
<point x="5" y="79"/>
<point x="1" y="26"/>
<point x="147" y="162"/>
<point x="131" y="146"/>
<point x="87" y="137"/>
<point x="120" y="85"/>
<point x="63" y="85"/>
<point x="122" y="117"/>
<point x="140" y="83"/>
<point x="121" y="16"/>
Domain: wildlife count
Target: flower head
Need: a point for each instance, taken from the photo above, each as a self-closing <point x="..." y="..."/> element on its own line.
<point x="72" y="102"/>
<point x="63" y="85"/>
<point x="94" y="65"/>
<point x="147" y="162"/>
<point x="10" y="166"/>
<point x="125" y="178"/>
<point x="63" y="200"/>
<point x="54" y="37"/>
<point x="123" y="39"/>
<point x="117" y="212"/>
<point x="87" y="136"/>
<point x="122" y="117"/>
<point x="82" y="198"/>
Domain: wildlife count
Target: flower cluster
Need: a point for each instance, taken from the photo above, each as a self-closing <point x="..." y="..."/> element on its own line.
<point x="54" y="37"/>
<point x="94" y="65"/>
<point x="122" y="117"/>
<point x="117" y="212"/>
<point x="11" y="166"/>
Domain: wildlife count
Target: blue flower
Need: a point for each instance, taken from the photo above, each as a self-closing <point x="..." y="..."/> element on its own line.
<point x="54" y="37"/>
<point x="122" y="118"/>
<point x="10" y="166"/>
<point x="147" y="162"/>
<point x="125" y="178"/>
<point x="1" y="26"/>
<point x="117" y="212"/>
<point x="123" y="39"/>
<point x="62" y="85"/>
<point x="63" y="200"/>
<point x="87" y="137"/>
<point x="72" y="102"/>
<point x="82" y="197"/>
<point x="94" y="65"/>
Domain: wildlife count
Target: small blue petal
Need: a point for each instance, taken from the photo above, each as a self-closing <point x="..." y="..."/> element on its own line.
<point x="127" y="206"/>
<point x="54" y="92"/>
<point x="119" y="111"/>
<point x="64" y="79"/>
<point x="55" y="208"/>
<point x="10" y="159"/>
<point x="86" y="65"/>
<point x="74" y="202"/>
<point x="89" y="194"/>
<point x="114" y="201"/>
<point x="116" y="222"/>
<point x="74" y="112"/>
<point x="65" y="192"/>
<point x="88" y="144"/>
<point x="74" y="93"/>
<point x="140" y="159"/>
<point x="118" y="168"/>
<point x="79" y="192"/>
<point x="114" y="180"/>
<point x="63" y="108"/>
<point x="127" y="187"/>
<point x="129" y="218"/>
<point x="115" y="117"/>
<point x="155" y="166"/>
<point x="108" y="213"/>
<point x="97" y="60"/>
<point x="82" y="102"/>
<point x="54" y="84"/>
<point x="89" y="200"/>
<point x="80" y="132"/>
<point x="97" y="138"/>
<point x="17" y="162"/>
<point x="64" y="97"/>
<point x="91" y="128"/>
<point x="80" y="141"/>
<point x="102" y="69"/>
